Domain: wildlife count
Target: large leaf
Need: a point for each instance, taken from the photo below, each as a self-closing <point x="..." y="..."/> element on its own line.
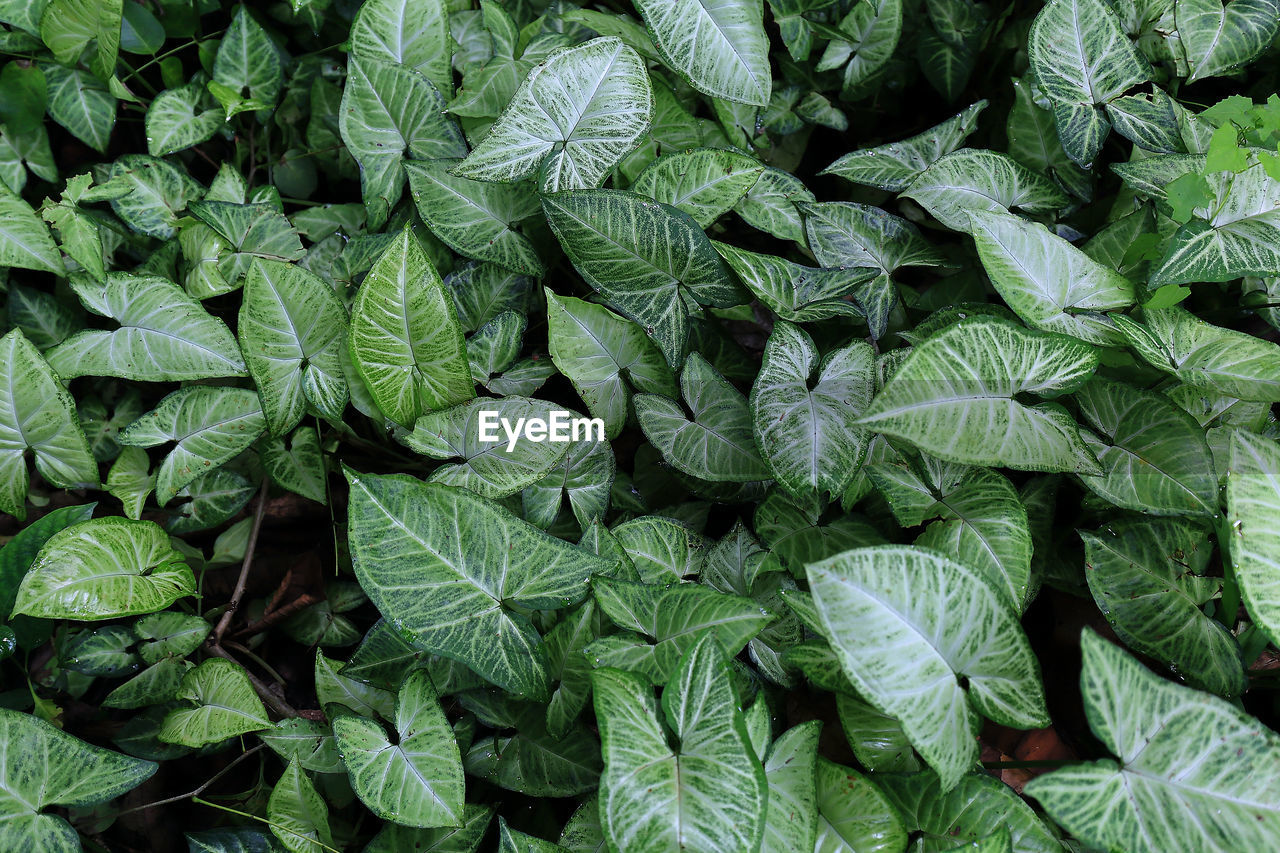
<point x="907" y="624"/>
<point x="604" y="356"/>
<point x="224" y="706"/>
<point x="37" y="416"/>
<point x="711" y="793"/>
<point x="1220" y="37"/>
<point x="719" y="46"/>
<point x="672" y="618"/>
<point x="1048" y="282"/>
<point x="1153" y="454"/>
<point x="953" y="397"/>
<point x="974" y="179"/>
<point x="103" y="569"/>
<point x="1227" y="362"/>
<point x="391" y="112"/>
<point x="292" y="328"/>
<point x="497" y="460"/>
<point x="1148" y="579"/>
<point x="417" y="778"/>
<point x="1192" y="772"/>
<point x="1082" y="59"/>
<point x="410" y="32"/>
<point x="209" y="426"/>
<point x="571" y="121"/>
<point x="475" y="218"/>
<point x="1253" y="509"/>
<point x="893" y="166"/>
<point x="646" y="258"/>
<point x="405" y="337"/>
<point x="164" y="334"/>
<point x="716" y="443"/>
<point x="410" y="541"/>
<point x="804" y="428"/>
<point x="41" y="766"/>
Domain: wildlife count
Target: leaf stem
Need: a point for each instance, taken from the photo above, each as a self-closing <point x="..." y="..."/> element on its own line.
<point x="198" y="791"/>
<point x="269" y="823"/>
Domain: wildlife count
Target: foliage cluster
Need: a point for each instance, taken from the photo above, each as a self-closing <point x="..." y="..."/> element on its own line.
<point x="935" y="343"/>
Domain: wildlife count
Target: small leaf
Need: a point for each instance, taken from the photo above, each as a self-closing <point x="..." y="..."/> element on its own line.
<point x="297" y="813"/>
<point x="894" y="165"/>
<point x="225" y="706"/>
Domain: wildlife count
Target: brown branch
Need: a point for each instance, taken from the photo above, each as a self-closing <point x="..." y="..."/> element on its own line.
<point x="238" y="593"/>
<point x="198" y="791"/>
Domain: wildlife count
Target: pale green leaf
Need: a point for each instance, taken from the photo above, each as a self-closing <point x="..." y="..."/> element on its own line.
<point x="976" y="179"/>
<point x="1219" y="37"/>
<point x="797" y="293"/>
<point x="1253" y="510"/>
<point x="705" y="183"/>
<point x="894" y="165"/>
<point x="853" y="814"/>
<point x="297" y="814"/>
<point x="409" y="539"/>
<point x="209" y="425"/>
<point x="224" y="706"/>
<point x="908" y="623"/>
<point x="405" y="337"/>
<point x="25" y="241"/>
<point x="179" y="118"/>
<point x="719" y="46"/>
<point x="1192" y="771"/>
<point x="247" y="61"/>
<point x="954" y="396"/>
<point x="572" y="120"/>
<point x="415" y="34"/>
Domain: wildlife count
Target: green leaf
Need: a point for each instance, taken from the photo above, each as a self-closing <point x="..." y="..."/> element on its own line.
<point x="864" y="43"/>
<point x="495" y="462"/>
<point x="719" y="46"/>
<point x="982" y="522"/>
<point x="130" y="480"/>
<point x="103" y="569"/>
<point x="297" y="814"/>
<point x="417" y="780"/>
<point x="69" y="26"/>
<point x="1082" y="59"/>
<point x="1235" y="235"/>
<point x="180" y="118"/>
<point x="1253" y="507"/>
<point x="1193" y="772"/>
<point x="38" y="416"/>
<point x="844" y="234"/>
<point x="893" y="166"/>
<point x="409" y="538"/>
<point x="604" y="356"/>
<point x="209" y="425"/>
<point x="906" y="623"/>
<point x="572" y="120"/>
<point x="1153" y="454"/>
<point x="24" y="240"/>
<point x="1033" y="141"/>
<point x="954" y="396"/>
<point x="532" y="761"/>
<point x="1219" y="37"/>
<point x="672" y="618"/>
<point x="853" y="814"/>
<point x="974" y="179"/>
<point x="20" y="552"/>
<point x="644" y="257"/>
<point x="1049" y="283"/>
<point x="716" y="443"/>
<point x="712" y="793"/>
<point x="464" y="839"/>
<point x="153" y="193"/>
<point x="1227" y="362"/>
<point x="340" y="694"/>
<point x="414" y="34"/>
<point x="225" y="706"/>
<point x="40" y="767"/>
<point x="405" y="337"/>
<point x="803" y="408"/>
<point x="292" y="327"/>
<point x="296" y="463"/>
<point x="242" y="839"/>
<point x="796" y="293"/>
<point x="661" y="550"/>
<point x="475" y="218"/>
<point x="938" y="818"/>
<point x="391" y="112"/>
<point x="247" y="61"/>
<point x="705" y="183"/>
<point x="1148" y="578"/>
<point x="791" y="822"/>
<point x="164" y="334"/>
